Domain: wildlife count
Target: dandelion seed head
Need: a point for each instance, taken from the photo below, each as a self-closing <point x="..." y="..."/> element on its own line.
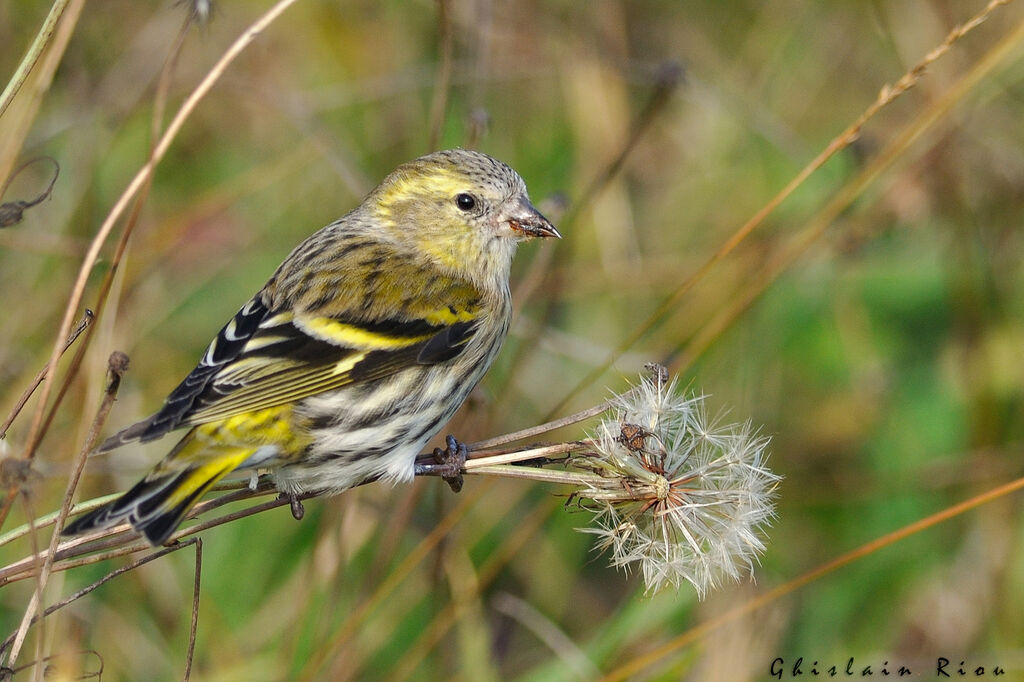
<point x="681" y="497"/>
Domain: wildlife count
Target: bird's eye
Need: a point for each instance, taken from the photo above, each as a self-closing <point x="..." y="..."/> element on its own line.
<point x="465" y="202"/>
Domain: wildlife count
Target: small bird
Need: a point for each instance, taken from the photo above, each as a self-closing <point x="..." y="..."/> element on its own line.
<point x="360" y="347"/>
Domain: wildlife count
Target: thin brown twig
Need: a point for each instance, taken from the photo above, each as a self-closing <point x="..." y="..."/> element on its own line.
<point x="40" y="663"/>
<point x="108" y="278"/>
<point x="139" y="201"/>
<point x="37" y="593"/>
<point x="540" y="428"/>
<point x="87" y="318"/>
<point x="102" y="581"/>
<point x="194" y="625"/>
<point x="120" y="540"/>
<point x="160" y="101"/>
<point x="117" y="365"/>
<point x="885" y="97"/>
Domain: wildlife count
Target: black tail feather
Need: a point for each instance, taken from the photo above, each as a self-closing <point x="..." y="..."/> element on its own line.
<point x="145" y="507"/>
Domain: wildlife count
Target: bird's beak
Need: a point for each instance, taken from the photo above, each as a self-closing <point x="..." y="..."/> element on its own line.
<point x="528" y="221"/>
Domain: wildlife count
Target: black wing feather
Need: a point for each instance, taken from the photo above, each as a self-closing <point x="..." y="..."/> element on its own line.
<point x="446" y="344"/>
<point x="205" y="386"/>
<point x="226" y="347"/>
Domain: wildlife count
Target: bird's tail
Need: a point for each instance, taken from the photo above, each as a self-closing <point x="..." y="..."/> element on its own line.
<point x="159" y="502"/>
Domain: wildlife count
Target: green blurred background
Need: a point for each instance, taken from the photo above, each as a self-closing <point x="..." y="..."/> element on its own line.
<point x="886" y="363"/>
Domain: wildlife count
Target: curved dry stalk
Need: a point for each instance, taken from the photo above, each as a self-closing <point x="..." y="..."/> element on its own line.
<point x="637" y="665"/>
<point x="33" y="54"/>
<point x="120" y="540"/>
<point x="685" y="355"/>
<point x="546" y="427"/>
<point x="118" y="364"/>
<point x="886" y="96"/>
<point x="45" y="56"/>
<point x="141" y="177"/>
<point x="87" y="317"/>
<point x="194" y="623"/>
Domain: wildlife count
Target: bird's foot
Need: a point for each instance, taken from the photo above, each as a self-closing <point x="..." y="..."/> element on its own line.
<point x="449" y="463"/>
<point x="298" y="511"/>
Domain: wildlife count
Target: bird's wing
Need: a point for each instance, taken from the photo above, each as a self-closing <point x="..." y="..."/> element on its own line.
<point x="263" y="358"/>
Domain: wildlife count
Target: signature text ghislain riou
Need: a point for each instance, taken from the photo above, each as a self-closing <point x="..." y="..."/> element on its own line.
<point x="944" y="668"/>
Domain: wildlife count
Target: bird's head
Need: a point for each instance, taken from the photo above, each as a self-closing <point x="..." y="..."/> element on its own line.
<point x="462" y="208"/>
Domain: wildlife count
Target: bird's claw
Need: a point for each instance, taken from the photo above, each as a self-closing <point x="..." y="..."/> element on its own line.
<point x="298" y="511"/>
<point x="449" y="463"/>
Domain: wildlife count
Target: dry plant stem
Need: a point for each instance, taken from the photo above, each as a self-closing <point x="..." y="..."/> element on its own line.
<point x="160" y="102"/>
<point x="537" y="474"/>
<point x="118" y="364"/>
<point x="443" y="82"/>
<point x="637" y="665"/>
<point x="37" y="593"/>
<point x="885" y="97"/>
<point x="122" y="244"/>
<point x="687" y="354"/>
<point x="194" y="625"/>
<point x="102" y="581"/>
<point x="78" y="291"/>
<point x="83" y="323"/>
<point x="539" y="429"/>
<point x="485" y="459"/>
<point x="21" y="110"/>
<point x="49" y="519"/>
<point x="35" y="50"/>
<point x="123" y="541"/>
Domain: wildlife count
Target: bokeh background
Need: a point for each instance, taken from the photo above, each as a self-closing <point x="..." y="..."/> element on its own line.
<point x="886" y="362"/>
